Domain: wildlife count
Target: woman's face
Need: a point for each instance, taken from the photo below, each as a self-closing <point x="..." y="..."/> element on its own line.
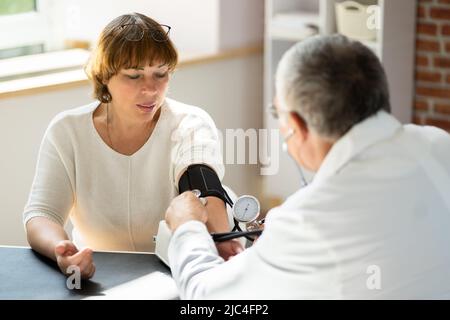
<point x="138" y="93"/>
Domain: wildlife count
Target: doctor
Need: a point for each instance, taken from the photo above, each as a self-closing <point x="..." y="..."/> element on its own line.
<point x="375" y="221"/>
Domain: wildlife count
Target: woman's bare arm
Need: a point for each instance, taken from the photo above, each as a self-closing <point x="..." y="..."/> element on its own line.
<point x="51" y="240"/>
<point x="218" y="222"/>
<point x="43" y="235"/>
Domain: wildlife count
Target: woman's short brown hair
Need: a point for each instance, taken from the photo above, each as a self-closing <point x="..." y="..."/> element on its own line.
<point x="114" y="51"/>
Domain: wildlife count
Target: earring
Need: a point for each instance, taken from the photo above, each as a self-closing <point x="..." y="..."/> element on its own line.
<point x="106" y="96"/>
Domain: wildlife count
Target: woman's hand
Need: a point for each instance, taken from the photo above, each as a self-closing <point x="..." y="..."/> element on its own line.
<point x="228" y="249"/>
<point x="68" y="255"/>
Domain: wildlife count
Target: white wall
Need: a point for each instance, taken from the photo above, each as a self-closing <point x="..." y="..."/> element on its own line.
<point x="194" y="23"/>
<point x="240" y="23"/>
<point x="230" y="90"/>
<point x="23" y="121"/>
<point x="197" y="26"/>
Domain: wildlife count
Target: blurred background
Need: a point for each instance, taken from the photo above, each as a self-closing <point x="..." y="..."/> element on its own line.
<point x="229" y="50"/>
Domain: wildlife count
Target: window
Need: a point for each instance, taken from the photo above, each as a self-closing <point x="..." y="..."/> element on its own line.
<point x="23" y="27"/>
<point x="8" y="7"/>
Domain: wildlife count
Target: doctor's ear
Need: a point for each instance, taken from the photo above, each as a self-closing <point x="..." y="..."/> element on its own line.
<point x="299" y="124"/>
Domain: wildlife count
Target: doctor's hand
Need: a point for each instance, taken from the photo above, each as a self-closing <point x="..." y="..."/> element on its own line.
<point x="184" y="208"/>
<point x="68" y="255"/>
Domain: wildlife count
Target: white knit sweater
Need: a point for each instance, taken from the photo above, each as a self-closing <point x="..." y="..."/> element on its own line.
<point x="114" y="201"/>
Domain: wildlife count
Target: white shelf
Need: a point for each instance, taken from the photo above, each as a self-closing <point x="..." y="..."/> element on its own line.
<point x="294" y="26"/>
<point x="24" y="66"/>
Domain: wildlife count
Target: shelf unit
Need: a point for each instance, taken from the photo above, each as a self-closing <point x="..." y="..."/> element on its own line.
<point x="290" y="21"/>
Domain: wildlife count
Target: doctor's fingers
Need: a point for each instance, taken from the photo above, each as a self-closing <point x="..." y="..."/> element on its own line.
<point x="188" y="198"/>
<point x="186" y="205"/>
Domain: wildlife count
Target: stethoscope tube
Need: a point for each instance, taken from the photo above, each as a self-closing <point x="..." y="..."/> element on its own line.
<point x="237" y="232"/>
<point x="225" y="236"/>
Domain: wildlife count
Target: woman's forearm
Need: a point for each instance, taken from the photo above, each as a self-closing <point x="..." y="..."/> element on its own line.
<point x="218" y="222"/>
<point x="217" y="215"/>
<point x="43" y="235"/>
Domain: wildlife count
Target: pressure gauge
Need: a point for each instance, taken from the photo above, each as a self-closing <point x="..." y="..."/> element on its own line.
<point x="246" y="209"/>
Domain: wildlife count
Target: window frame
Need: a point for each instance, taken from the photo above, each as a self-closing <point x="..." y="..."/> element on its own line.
<point x="29" y="28"/>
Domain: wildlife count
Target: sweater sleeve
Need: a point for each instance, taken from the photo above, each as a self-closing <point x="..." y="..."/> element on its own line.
<point x="196" y="141"/>
<point x="52" y="194"/>
<point x="193" y="257"/>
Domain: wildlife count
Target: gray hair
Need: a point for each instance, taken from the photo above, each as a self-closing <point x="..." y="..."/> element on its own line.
<point x="332" y="83"/>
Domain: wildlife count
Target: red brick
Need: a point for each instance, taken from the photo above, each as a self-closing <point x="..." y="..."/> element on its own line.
<point x="444" y="1"/>
<point x="445" y="30"/>
<point x="448" y="78"/>
<point x="421" y="61"/>
<point x="421" y="12"/>
<point x="447" y="47"/>
<point x="421" y="105"/>
<point x="428" y="76"/>
<point x="434" y="92"/>
<point x="424" y="1"/>
<point x="427" y="28"/>
<point x="440" y="13"/>
<point x="427" y="45"/>
<point x="443" y="124"/>
<point x="418" y="120"/>
<point x="442" y="62"/>
<point x="442" y="108"/>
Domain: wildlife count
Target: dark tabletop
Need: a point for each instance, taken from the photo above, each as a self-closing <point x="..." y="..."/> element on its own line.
<point x="25" y="274"/>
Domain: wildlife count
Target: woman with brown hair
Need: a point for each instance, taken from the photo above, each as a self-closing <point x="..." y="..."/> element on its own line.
<point x="113" y="166"/>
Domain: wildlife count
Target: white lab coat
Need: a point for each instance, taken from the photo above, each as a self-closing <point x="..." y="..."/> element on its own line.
<point x="374" y="223"/>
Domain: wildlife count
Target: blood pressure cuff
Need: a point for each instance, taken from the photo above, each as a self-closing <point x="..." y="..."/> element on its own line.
<point x="205" y="179"/>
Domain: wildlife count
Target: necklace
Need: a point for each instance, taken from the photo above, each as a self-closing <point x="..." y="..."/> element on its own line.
<point x="107" y="127"/>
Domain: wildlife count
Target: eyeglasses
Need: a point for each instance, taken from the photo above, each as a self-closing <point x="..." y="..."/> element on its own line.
<point x="135" y="32"/>
<point x="275" y="112"/>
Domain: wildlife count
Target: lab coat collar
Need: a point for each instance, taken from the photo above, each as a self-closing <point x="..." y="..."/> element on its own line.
<point x="378" y="127"/>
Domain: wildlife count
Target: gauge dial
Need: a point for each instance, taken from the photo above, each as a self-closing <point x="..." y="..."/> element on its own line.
<point x="246" y="209"/>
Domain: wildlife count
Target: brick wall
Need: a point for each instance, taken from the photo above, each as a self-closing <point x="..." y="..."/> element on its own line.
<point x="432" y="98"/>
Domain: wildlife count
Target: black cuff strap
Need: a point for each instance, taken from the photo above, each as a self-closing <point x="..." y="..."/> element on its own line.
<point x="205" y="179"/>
